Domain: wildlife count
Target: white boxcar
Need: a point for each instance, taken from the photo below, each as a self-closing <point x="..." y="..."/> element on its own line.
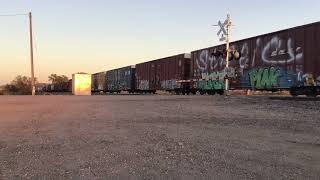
<point x="81" y="84"/>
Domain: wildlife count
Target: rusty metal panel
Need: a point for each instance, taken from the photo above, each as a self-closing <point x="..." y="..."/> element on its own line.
<point x="317" y="64"/>
<point x="299" y="56"/>
<point x="310" y="49"/>
<point x="142" y="76"/>
<point x="291" y="66"/>
<point x="312" y="54"/>
<point x="162" y="74"/>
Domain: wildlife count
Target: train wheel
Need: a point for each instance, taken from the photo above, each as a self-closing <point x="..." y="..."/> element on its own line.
<point x="220" y="92"/>
<point x="293" y="93"/>
<point x="311" y="93"/>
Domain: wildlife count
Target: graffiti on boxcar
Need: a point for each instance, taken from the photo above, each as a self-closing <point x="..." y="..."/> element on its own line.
<point x="227" y="72"/>
<point x="279" y="51"/>
<point x="264" y="78"/>
<point x="211" y="84"/>
<point x="244" y="59"/>
<point x="307" y="79"/>
<point x="257" y="54"/>
<point x="170" y="84"/>
<point x="206" y="61"/>
<point x="276" y="51"/>
<point x="143" y="85"/>
<point x="215" y="80"/>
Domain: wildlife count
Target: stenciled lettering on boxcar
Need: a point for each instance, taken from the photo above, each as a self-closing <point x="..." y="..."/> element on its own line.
<point x="264" y="78"/>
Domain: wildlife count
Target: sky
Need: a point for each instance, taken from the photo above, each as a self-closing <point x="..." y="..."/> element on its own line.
<point x="97" y="35"/>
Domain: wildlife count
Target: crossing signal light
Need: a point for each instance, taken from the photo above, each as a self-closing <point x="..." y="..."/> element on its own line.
<point x="230" y="55"/>
<point x="233" y="55"/>
<point x="236" y="55"/>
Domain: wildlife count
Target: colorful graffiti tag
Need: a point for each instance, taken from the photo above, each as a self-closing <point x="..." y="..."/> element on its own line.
<point x="279" y="52"/>
<point x="227" y="72"/>
<point x="211" y="84"/>
<point x="307" y="79"/>
<point x="264" y="78"/>
<point x="215" y="80"/>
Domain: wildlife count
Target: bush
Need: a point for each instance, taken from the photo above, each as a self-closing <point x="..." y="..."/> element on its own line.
<point x="21" y="85"/>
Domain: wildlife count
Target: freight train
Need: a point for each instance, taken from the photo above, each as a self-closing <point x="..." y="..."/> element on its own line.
<point x="64" y="87"/>
<point x="287" y="59"/>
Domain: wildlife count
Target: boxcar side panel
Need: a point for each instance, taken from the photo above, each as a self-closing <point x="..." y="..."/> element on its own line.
<point x="99" y="81"/>
<point x="162" y="74"/>
<point x="121" y="79"/>
<point x="277" y="60"/>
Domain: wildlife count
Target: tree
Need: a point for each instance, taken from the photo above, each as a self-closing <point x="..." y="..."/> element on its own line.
<point x="21" y="85"/>
<point x="58" y="81"/>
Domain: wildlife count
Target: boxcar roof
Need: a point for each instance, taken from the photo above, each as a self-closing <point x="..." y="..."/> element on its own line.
<point x="263" y="35"/>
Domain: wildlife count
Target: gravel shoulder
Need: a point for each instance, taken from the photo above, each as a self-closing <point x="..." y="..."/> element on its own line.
<point x="159" y="137"/>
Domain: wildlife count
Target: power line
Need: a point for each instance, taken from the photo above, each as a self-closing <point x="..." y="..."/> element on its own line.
<point x="6" y="15"/>
<point x="33" y="90"/>
<point x="36" y="45"/>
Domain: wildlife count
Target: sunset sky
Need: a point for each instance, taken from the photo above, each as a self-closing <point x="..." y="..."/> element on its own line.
<point x="97" y="35"/>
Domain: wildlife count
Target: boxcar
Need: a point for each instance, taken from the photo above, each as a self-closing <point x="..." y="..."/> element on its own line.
<point x="99" y="82"/>
<point x="63" y="87"/>
<point x="122" y="79"/>
<point x="163" y="74"/>
<point x="287" y="59"/>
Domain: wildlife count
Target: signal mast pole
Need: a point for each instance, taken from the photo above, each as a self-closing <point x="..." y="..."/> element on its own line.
<point x="33" y="88"/>
<point x="228" y="51"/>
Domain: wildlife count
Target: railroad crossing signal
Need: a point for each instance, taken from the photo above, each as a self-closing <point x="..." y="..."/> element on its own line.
<point x="233" y="55"/>
<point x="222" y="32"/>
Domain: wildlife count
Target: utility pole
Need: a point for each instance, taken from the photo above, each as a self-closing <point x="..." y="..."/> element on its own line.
<point x="33" y="88"/>
<point x="228" y="51"/>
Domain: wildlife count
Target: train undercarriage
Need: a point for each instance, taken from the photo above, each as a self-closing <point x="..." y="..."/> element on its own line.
<point x="309" y="91"/>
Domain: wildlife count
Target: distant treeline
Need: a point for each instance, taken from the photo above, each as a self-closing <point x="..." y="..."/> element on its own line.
<point x="21" y="85"/>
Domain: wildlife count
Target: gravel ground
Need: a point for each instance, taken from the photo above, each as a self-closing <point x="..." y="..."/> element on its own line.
<point x="159" y="137"/>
